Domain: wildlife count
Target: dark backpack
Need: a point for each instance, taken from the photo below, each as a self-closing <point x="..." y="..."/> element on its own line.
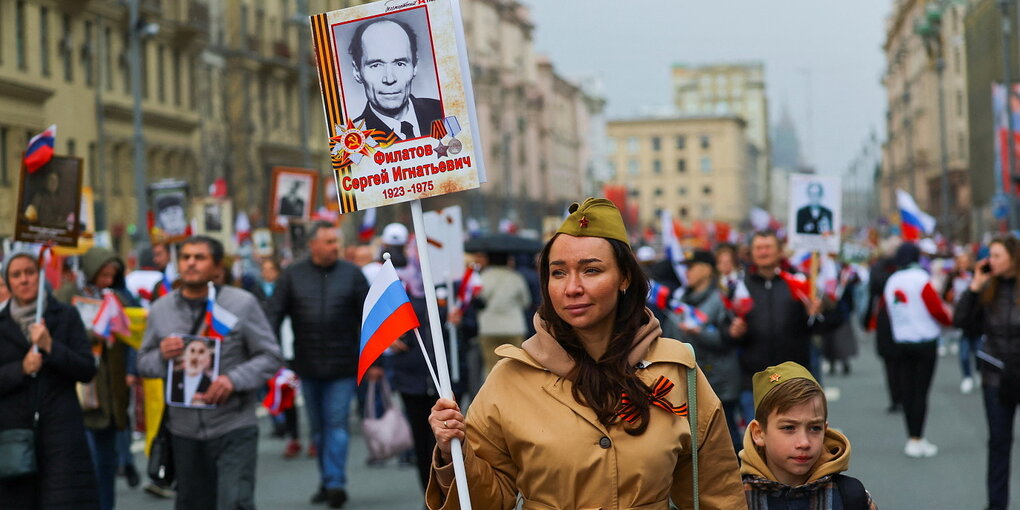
<point x="851" y="491"/>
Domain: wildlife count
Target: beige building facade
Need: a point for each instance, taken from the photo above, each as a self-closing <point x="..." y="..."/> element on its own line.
<point x="696" y="167"/>
<point x="221" y="99"/>
<point x="731" y="89"/>
<point x="912" y="152"/>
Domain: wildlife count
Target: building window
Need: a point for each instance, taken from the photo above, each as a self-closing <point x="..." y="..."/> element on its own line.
<point x="86" y="59"/>
<point x="4" y="177"/>
<point x="959" y="103"/>
<point x="612" y="167"/>
<point x="707" y="190"/>
<point x="657" y="166"/>
<point x="656" y="143"/>
<point x="610" y="145"/>
<point x="683" y="212"/>
<point x="44" y="41"/>
<point x="632" y="144"/>
<point x="961" y="141"/>
<point x="681" y="141"/>
<point x="632" y="167"/>
<point x="704" y="142"/>
<point x="706" y="164"/>
<point x="71" y="147"/>
<point x="65" y="49"/>
<point x="160" y="73"/>
<point x="145" y="67"/>
<point x="635" y="192"/>
<point x="107" y="49"/>
<point x="658" y="192"/>
<point x="682" y="191"/>
<point x="19" y="34"/>
<point x="706" y="211"/>
<point x="125" y="69"/>
<point x="681" y="165"/>
<point x="93" y="168"/>
<point x="177" y="76"/>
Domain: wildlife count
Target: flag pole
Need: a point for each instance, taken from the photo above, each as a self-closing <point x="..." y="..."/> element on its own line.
<point x="439" y="345"/>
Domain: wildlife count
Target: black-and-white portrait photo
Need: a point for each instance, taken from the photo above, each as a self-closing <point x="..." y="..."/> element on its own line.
<point x="293" y="197"/>
<point x="389" y="73"/>
<point x="212" y="217"/>
<point x="170" y="212"/>
<point x="191" y="373"/>
<point x="49" y="201"/>
<point x="814" y="218"/>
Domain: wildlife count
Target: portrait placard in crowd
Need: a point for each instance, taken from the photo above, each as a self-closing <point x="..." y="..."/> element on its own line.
<point x="191" y="373"/>
<point x="815" y="213"/>
<point x="397" y="96"/>
<point x="48" y="203"/>
<point x="168" y="200"/>
<point x="293" y="196"/>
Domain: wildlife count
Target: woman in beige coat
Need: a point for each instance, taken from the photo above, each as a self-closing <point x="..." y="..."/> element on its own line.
<point x="568" y="432"/>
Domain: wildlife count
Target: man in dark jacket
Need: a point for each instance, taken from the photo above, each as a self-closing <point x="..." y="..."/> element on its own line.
<point x="324" y="297"/>
<point x="779" y="326"/>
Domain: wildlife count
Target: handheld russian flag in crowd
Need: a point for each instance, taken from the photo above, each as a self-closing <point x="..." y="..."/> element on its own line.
<point x="470" y="286"/>
<point x="690" y="316"/>
<point x="110" y="318"/>
<point x="164" y="287"/>
<point x="367" y="229"/>
<point x="913" y="221"/>
<point x="219" y="321"/>
<point x="741" y="303"/>
<point x="674" y="251"/>
<point x="40" y="149"/>
<point x="387" y="315"/>
<point x="283" y="387"/>
<point x="799" y="286"/>
<point x="658" y="294"/>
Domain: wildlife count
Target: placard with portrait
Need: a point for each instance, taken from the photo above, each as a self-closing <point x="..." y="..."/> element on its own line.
<point x="190" y="374"/>
<point x="48" y="203"/>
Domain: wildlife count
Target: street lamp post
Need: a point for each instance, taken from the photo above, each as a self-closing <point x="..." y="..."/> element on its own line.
<point x="930" y="30"/>
<point x="135" y="58"/>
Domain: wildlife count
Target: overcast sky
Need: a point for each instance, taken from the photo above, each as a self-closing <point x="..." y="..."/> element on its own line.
<point x="821" y="56"/>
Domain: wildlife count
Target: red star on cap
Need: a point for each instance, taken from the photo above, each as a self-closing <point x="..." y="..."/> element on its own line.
<point x="583" y="222"/>
<point x="774" y="377"/>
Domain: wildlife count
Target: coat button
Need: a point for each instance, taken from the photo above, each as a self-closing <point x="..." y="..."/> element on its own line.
<point x="605" y="442"/>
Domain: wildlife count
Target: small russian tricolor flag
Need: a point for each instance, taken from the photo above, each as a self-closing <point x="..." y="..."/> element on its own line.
<point x="40" y="149"/>
<point x="164" y="287"/>
<point x="110" y="318"/>
<point x="219" y="321"/>
<point x="658" y="295"/>
<point x="690" y="316"/>
<point x="913" y="221"/>
<point x="367" y="229"/>
<point x="387" y="315"/>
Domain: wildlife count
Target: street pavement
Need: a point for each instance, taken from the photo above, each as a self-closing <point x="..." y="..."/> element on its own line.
<point x="952" y="480"/>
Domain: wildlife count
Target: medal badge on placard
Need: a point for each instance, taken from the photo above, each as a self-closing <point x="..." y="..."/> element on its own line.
<point x="443" y="127"/>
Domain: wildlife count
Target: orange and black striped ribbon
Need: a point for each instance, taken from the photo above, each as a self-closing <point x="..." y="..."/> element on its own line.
<point x="657" y="397"/>
<point x="330" y="87"/>
<point x="438" y="129"/>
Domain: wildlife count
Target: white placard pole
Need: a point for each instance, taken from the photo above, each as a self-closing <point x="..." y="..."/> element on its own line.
<point x="438" y="344"/>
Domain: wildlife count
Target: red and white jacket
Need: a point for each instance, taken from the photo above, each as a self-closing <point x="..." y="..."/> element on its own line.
<point x="915" y="308"/>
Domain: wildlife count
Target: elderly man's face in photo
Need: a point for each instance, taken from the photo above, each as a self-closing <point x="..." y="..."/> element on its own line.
<point x="197" y="358"/>
<point x="387" y="67"/>
<point x="814" y="194"/>
<point x="172" y="219"/>
<point x="52" y="182"/>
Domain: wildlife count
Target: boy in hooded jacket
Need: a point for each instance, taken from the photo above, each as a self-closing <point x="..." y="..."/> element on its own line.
<point x="791" y="458"/>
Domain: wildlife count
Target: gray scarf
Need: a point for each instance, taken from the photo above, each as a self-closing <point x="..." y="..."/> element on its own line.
<point x="23" y="315"/>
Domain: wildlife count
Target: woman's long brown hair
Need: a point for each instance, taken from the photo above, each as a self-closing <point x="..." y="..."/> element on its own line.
<point x="1012" y="247"/>
<point x="600" y="384"/>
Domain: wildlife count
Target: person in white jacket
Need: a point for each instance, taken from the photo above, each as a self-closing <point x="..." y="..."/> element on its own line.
<point x="915" y="311"/>
<point x="504" y="295"/>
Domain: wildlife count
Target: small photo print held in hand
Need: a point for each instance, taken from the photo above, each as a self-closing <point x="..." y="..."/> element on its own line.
<point x="190" y="374"/>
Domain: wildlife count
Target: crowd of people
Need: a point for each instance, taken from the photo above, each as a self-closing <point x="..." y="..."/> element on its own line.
<point x="659" y="379"/>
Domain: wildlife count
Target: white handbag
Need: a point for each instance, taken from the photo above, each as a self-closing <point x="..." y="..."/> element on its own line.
<point x="389" y="435"/>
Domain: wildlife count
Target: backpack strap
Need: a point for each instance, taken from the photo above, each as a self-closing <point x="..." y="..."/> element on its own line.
<point x="692" y="406"/>
<point x="851" y="491"/>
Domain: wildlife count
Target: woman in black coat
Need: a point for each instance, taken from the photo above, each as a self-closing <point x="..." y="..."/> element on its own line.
<point x="65" y="478"/>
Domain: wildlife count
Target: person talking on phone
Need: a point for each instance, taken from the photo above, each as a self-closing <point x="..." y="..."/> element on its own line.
<point x="989" y="305"/>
